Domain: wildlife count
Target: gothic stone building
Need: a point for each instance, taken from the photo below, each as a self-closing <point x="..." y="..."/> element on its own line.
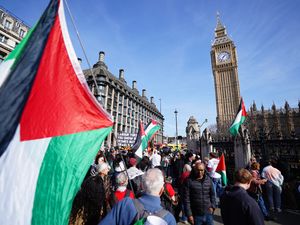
<point x="124" y="103"/>
<point x="283" y="123"/>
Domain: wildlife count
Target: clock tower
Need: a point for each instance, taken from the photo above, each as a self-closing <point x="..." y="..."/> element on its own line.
<point x="225" y="71"/>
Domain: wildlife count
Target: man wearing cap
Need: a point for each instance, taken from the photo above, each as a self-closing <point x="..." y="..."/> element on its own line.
<point x="125" y="212"/>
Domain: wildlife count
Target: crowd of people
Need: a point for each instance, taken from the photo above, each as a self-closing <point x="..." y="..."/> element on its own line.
<point x="166" y="187"/>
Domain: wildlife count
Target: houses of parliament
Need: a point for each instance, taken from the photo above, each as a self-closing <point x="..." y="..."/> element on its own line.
<point x="275" y="123"/>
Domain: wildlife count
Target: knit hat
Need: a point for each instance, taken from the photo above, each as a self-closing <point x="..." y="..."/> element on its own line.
<point x="132" y="161"/>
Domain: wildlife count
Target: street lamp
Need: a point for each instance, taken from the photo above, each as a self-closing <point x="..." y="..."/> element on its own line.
<point x="176" y="138"/>
<point x="205" y="121"/>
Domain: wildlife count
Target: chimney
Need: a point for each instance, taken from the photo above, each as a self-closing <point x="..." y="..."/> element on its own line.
<point x="101" y="56"/>
<point x="144" y="93"/>
<point x="151" y="100"/>
<point x="79" y="60"/>
<point x="121" y="74"/>
<point x="134" y="84"/>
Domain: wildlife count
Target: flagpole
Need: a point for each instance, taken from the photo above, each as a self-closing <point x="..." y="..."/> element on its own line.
<point x="81" y="44"/>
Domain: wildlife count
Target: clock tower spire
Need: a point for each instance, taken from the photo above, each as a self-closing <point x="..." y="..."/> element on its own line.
<point x="225" y="73"/>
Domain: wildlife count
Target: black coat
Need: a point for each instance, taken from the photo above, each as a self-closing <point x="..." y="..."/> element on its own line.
<point x="198" y="196"/>
<point x="238" y="208"/>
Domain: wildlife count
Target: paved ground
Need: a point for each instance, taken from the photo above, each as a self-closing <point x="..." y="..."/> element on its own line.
<point x="287" y="217"/>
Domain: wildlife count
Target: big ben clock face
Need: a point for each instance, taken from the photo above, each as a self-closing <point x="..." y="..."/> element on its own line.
<point x="223" y="57"/>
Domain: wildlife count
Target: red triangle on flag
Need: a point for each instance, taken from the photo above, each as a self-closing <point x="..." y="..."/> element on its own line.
<point x="221" y="166"/>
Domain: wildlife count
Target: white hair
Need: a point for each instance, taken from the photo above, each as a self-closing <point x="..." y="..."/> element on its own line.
<point x="153" y="181"/>
<point x="122" y="179"/>
<point x="102" y="166"/>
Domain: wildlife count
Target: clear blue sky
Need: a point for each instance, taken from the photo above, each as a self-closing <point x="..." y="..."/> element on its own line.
<point x="165" y="46"/>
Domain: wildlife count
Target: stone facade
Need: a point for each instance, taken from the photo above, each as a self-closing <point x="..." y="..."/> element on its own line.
<point x="124" y="103"/>
<point x="12" y="31"/>
<point x="225" y="72"/>
<point x="283" y="123"/>
<point x="193" y="135"/>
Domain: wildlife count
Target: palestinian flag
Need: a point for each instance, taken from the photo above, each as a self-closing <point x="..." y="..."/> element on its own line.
<point x="141" y="142"/>
<point x="239" y="119"/>
<point x="51" y="126"/>
<point x="221" y="169"/>
<point x="151" y="128"/>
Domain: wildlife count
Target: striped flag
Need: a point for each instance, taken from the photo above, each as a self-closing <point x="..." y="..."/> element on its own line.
<point x="141" y="142"/>
<point x="51" y="126"/>
<point x="239" y="119"/>
<point x="151" y="128"/>
<point x="221" y="169"/>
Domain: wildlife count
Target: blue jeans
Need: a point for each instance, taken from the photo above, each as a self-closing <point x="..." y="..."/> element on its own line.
<point x="273" y="196"/>
<point x="183" y="216"/>
<point x="262" y="206"/>
<point x="207" y="219"/>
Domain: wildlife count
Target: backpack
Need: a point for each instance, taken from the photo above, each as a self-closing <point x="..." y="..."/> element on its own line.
<point x="142" y="213"/>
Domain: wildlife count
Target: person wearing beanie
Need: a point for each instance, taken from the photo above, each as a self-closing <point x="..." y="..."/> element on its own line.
<point x="135" y="176"/>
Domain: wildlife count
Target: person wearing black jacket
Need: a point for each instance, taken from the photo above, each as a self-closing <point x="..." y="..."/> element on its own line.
<point x="199" y="197"/>
<point x="237" y="207"/>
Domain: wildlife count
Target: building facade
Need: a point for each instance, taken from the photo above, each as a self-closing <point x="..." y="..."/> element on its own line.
<point x="225" y="71"/>
<point x="124" y="103"/>
<point x="282" y="123"/>
<point x="12" y="31"/>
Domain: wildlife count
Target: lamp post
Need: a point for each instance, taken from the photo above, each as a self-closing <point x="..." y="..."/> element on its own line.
<point x="162" y="129"/>
<point x="176" y="138"/>
<point x="205" y="121"/>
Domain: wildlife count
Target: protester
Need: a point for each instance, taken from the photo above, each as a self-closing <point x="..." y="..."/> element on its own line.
<point x="199" y="197"/>
<point x="90" y="204"/>
<point x="135" y="176"/>
<point x="181" y="208"/>
<point x="255" y="190"/>
<point x="273" y="186"/>
<point x="125" y="212"/>
<point x="169" y="198"/>
<point x="237" y="207"/>
<point x="144" y="164"/>
<point x="211" y="167"/>
<point x="251" y="161"/>
<point x="189" y="158"/>
<point x="155" y="158"/>
<point x="122" y="191"/>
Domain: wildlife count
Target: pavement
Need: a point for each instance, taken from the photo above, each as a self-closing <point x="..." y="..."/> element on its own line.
<point x="286" y="217"/>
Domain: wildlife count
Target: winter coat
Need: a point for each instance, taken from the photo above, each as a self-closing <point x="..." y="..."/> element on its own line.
<point x="199" y="196"/>
<point x="238" y="208"/>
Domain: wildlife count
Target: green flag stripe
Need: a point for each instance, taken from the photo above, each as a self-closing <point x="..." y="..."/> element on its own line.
<point x="66" y="162"/>
<point x="152" y="132"/>
<point x="18" y="50"/>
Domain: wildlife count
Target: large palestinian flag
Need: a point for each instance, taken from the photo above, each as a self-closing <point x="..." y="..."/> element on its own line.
<point x="51" y="126"/>
<point x="239" y="119"/>
<point x="141" y="141"/>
